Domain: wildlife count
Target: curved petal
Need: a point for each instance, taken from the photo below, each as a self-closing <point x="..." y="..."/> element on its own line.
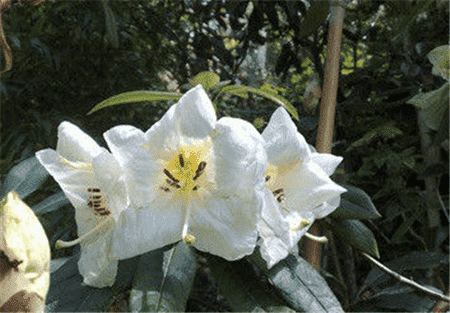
<point x="225" y="227"/>
<point x="140" y="230"/>
<point x="111" y="181"/>
<point x="284" y="144"/>
<point x="294" y="219"/>
<point x="327" y="207"/>
<point x="239" y="156"/>
<point x="195" y="114"/>
<point x="75" y="145"/>
<point x="273" y="228"/>
<point x="74" y="182"/>
<point x="326" y="161"/>
<point x="307" y="186"/>
<point x="95" y="265"/>
<point x="139" y="163"/>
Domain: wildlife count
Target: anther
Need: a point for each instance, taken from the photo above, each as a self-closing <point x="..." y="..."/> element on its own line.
<point x="170" y="176"/>
<point x="195" y="188"/>
<point x="278" y="191"/>
<point x="165" y="189"/>
<point x="180" y="156"/>
<point x="199" y="170"/>
<point x="267" y="178"/>
<point x="280" y="198"/>
<point x="93" y="190"/>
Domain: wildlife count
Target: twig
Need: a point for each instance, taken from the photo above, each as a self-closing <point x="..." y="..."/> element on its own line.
<point x="407" y="281"/>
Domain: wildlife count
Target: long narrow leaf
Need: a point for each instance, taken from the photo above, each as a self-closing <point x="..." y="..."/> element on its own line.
<point x="136" y="96"/>
<point x="24" y="178"/>
<point x="355" y="204"/>
<point x="52" y="203"/>
<point x="302" y="286"/>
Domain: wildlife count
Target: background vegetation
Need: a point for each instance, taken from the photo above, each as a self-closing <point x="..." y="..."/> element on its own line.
<point x="70" y="55"/>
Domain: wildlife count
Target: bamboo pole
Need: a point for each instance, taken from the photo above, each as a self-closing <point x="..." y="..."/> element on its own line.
<point x="327" y="110"/>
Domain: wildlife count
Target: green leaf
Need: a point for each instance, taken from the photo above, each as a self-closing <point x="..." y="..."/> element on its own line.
<point x="24" y="178"/>
<point x="241" y="287"/>
<point x="136" y="96"/>
<point x="315" y="16"/>
<point x="386" y="131"/>
<point x="263" y="91"/>
<point x="355" y="204"/>
<point x="403" y="228"/>
<point x="164" y="280"/>
<point x="67" y="292"/>
<point x="302" y="286"/>
<point x="206" y="79"/>
<point x="356" y="234"/>
<point x="52" y="203"/>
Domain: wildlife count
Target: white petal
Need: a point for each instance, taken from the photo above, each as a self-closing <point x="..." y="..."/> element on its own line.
<point x="225" y="227"/>
<point x="74" y="182"/>
<point x="75" y="145"/>
<point x="307" y="186"/>
<point x="326" y="161"/>
<point x="111" y="182"/>
<point x="295" y="219"/>
<point x="195" y="114"/>
<point x="139" y="163"/>
<point x="284" y="144"/>
<point x="273" y="228"/>
<point x="327" y="207"/>
<point x="140" y="230"/>
<point x="240" y="159"/>
<point x="96" y="265"/>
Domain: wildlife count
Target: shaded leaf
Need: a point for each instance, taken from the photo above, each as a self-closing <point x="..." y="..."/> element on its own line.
<point x="315" y="16"/>
<point x="68" y="293"/>
<point x="164" y="280"/>
<point x="415" y="260"/>
<point x="355" y="204"/>
<point x="206" y="79"/>
<point x="240" y="286"/>
<point x="24" y="178"/>
<point x="386" y="131"/>
<point x="356" y="234"/>
<point x="52" y="203"/>
<point x="300" y="285"/>
<point x="136" y="96"/>
<point x="405" y="302"/>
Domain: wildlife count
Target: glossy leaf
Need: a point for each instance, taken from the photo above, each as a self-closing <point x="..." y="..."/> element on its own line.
<point x="241" y="287"/>
<point x="136" y="96"/>
<point x="24" y="178"/>
<point x="356" y="234"/>
<point x="302" y="286"/>
<point x="52" y="203"/>
<point x="206" y="79"/>
<point x="163" y="280"/>
<point x="355" y="204"/>
<point x="68" y="293"/>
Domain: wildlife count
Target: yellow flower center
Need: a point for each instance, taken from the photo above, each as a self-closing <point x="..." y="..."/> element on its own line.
<point x="187" y="172"/>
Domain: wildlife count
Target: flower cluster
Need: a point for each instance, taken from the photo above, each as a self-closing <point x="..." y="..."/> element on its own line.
<point x="218" y="185"/>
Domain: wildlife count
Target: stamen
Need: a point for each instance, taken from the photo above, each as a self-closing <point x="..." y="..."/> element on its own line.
<point x="322" y="239"/>
<point x="278" y="191"/>
<point x="267" y="178"/>
<point x="303" y="223"/>
<point x="165" y="189"/>
<point x="65" y="244"/>
<point x="170" y="176"/>
<point x="180" y="156"/>
<point x="280" y="198"/>
<point x="195" y="188"/>
<point x="94" y="189"/>
<point x="98" y="204"/>
<point x="199" y="170"/>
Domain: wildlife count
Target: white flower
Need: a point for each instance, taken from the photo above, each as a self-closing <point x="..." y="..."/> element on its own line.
<point x="298" y="188"/>
<point x="92" y="180"/>
<point x="190" y="177"/>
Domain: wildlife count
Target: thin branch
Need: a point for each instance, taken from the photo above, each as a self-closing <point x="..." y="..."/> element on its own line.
<point x="407" y="281"/>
